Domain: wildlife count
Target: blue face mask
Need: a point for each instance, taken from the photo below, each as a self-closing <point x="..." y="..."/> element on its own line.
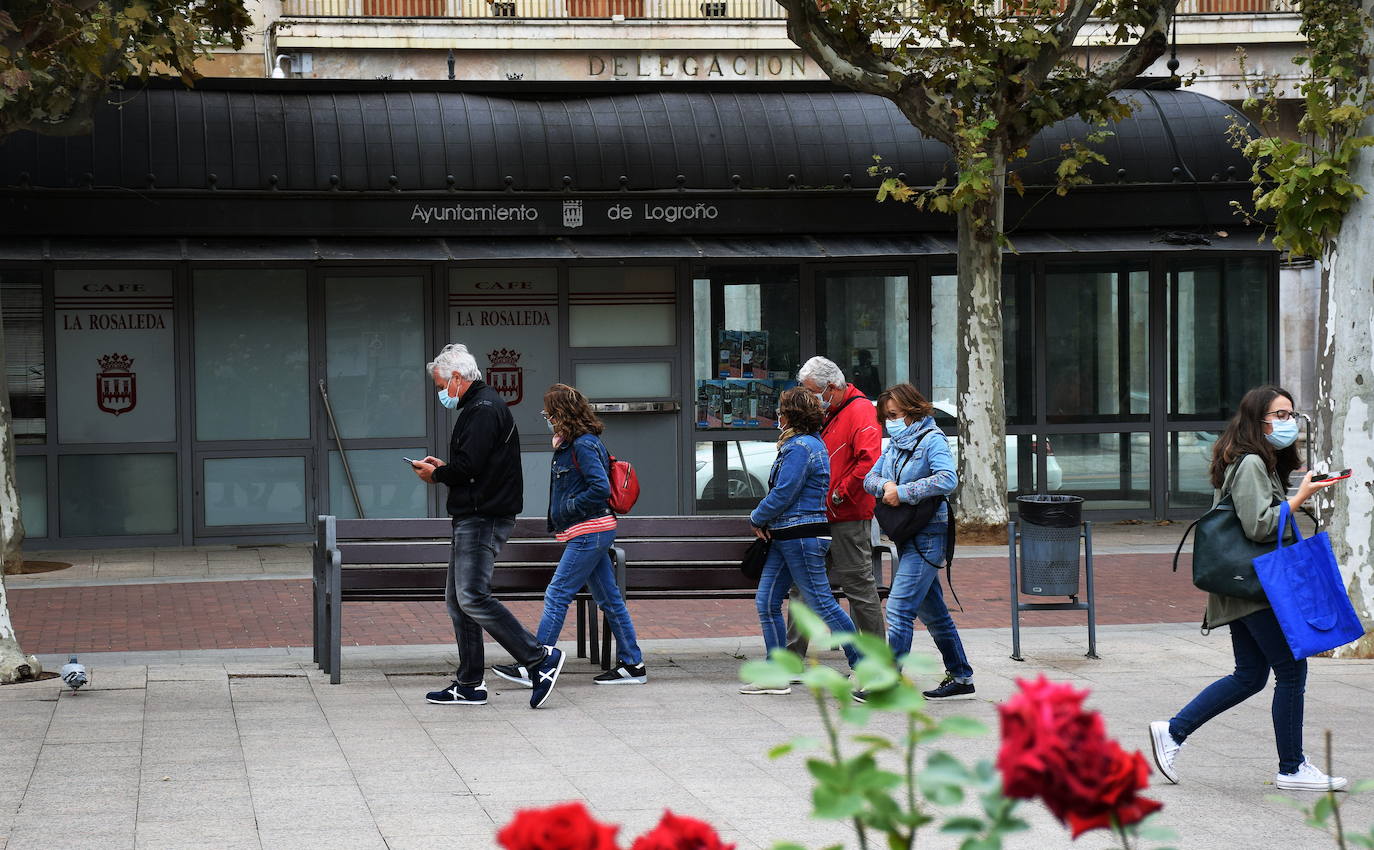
<point x="1284" y="435"/>
<point x="895" y="426"/>
<point x="447" y="400"/>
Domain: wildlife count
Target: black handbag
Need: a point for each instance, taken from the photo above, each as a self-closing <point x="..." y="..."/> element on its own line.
<point x="754" y="557"/>
<point x="1223" y="555"/>
<point x="902" y="522"/>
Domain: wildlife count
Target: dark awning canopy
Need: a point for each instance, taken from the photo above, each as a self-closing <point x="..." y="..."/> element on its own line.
<point x="594" y="248"/>
<point x="402" y="137"/>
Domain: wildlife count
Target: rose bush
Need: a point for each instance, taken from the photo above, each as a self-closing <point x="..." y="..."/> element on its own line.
<point x="571" y="827"/>
<point x="1055" y="750"/>
<point x="678" y="833"/>
<point x="564" y="827"/>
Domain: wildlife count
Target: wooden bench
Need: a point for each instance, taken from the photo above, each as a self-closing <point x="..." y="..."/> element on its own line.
<point x="697" y="557"/>
<point x="655" y="557"/>
<point x="406" y="560"/>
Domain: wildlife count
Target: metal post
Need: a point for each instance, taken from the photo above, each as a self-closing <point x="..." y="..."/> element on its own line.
<point x="343" y="458"/>
<point x="1015" y="595"/>
<point x="1092" y="599"/>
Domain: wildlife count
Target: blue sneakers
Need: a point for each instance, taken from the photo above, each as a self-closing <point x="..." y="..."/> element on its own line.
<point x="456" y="694"/>
<point x="545" y="676"/>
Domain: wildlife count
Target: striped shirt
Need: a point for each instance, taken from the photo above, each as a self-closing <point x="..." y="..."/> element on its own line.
<point x="589" y="526"/>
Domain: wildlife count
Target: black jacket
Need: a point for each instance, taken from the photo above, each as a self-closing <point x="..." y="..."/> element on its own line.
<point x="483" y="470"/>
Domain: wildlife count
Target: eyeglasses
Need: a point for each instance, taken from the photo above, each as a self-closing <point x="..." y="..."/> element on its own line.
<point x="1282" y="415"/>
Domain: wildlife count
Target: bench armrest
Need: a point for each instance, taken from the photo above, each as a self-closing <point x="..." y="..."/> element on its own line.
<point x="618" y="564"/>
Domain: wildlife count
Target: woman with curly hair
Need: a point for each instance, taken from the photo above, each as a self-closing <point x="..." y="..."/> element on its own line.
<point x="579" y="516"/>
<point x="792" y="516"/>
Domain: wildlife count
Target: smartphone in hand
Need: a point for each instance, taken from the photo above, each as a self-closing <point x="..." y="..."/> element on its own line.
<point x="1332" y="476"/>
<point x="410" y="460"/>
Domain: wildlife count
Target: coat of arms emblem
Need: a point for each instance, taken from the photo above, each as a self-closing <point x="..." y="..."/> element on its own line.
<point x="116" y="385"/>
<point x="505" y="376"/>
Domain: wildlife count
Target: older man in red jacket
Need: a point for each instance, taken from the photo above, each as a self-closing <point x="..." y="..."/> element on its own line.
<point x="851" y="434"/>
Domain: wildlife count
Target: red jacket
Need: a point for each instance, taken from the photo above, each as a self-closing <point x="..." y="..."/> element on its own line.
<point x="854" y="442"/>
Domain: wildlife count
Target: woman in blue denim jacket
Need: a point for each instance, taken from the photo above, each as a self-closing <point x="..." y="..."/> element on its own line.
<point x="916" y="465"/>
<point x="579" y="485"/>
<point x="792" y="516"/>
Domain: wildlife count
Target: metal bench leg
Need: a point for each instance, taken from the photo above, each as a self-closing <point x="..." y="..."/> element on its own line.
<point x="606" y="644"/>
<point x="581" y="628"/>
<point x="335" y="588"/>
<point x="594" y="632"/>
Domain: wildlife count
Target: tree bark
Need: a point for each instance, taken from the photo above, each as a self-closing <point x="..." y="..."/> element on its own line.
<point x="1345" y="394"/>
<point x="981" y="510"/>
<point x="14" y="665"/>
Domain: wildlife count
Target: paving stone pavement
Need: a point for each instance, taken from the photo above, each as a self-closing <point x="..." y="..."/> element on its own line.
<point x="253" y="749"/>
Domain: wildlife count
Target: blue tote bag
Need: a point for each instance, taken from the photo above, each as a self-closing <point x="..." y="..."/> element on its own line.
<point x="1305" y="589"/>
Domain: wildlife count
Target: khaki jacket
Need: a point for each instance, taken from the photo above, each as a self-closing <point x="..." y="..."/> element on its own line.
<point x="1255" y="491"/>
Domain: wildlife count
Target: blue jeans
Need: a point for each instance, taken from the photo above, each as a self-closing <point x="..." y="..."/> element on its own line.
<point x="916" y="595"/>
<point x="476" y="542"/>
<point x="800" y="562"/>
<point x="586" y="561"/>
<point x="1259" y="646"/>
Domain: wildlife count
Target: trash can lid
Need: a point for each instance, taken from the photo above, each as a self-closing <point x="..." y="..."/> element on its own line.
<point x="1048" y="499"/>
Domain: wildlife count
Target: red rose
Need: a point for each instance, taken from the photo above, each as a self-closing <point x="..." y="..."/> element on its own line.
<point x="566" y="827"/>
<point x="1054" y="750"/>
<point x="679" y="833"/>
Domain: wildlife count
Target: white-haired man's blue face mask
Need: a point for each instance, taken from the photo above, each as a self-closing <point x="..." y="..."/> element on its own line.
<point x="447" y="400"/>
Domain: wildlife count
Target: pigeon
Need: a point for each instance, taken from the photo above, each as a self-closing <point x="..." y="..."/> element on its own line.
<point x="74" y="674"/>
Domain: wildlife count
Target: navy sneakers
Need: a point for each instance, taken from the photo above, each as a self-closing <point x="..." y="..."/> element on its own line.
<point x="517" y="673"/>
<point x="456" y="694"/>
<point x="546" y="676"/>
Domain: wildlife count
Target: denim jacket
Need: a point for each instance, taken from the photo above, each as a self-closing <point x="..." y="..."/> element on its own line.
<point x="927" y="471"/>
<point x="797" y="485"/>
<point x="578" y="490"/>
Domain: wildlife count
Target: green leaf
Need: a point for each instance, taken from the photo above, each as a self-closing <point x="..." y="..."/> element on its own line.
<point x="957" y="724"/>
<point x="809" y="624"/>
<point x="765" y="673"/>
<point x="964" y="825"/>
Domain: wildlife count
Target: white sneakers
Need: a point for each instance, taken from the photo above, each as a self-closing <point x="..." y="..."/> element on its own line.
<point x="759" y="690"/>
<point x="1165" y="748"/>
<point x="1306" y="778"/>
<point x="1309" y="778"/>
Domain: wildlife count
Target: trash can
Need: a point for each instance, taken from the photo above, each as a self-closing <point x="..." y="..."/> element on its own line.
<point x="1050" y="529"/>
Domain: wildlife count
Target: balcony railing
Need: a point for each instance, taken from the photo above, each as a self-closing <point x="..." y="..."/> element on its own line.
<point x="643" y="9"/>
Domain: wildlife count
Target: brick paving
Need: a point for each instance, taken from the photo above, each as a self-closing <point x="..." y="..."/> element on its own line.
<point x="1131" y="589"/>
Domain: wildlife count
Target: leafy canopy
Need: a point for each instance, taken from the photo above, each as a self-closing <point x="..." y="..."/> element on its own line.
<point x="984" y="76"/>
<point x="1304" y="185"/>
<point x="59" y="57"/>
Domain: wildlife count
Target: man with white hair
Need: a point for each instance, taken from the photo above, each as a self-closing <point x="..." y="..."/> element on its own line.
<point x="485" y="492"/>
<point x="850" y="432"/>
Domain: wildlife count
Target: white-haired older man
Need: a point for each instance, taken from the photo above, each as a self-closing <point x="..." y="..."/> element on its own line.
<point x="485" y="492"/>
<point x="851" y="435"/>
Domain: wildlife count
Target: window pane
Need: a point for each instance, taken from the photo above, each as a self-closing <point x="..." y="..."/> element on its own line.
<point x="1098" y="335"/>
<point x="251" y="355"/>
<point x="732" y="474"/>
<point x="1190" y="468"/>
<point x="387" y="485"/>
<point x="1017" y="361"/>
<point x="116" y="359"/>
<point x="1108" y="470"/>
<point x="599" y="381"/>
<point x="31" y="476"/>
<point x="1218" y="334"/>
<point x="114" y="495"/>
<point x="21" y="302"/>
<point x="374" y="341"/>
<point x="621" y="306"/>
<point x="254" y="490"/>
<point x="508" y="319"/>
<point x="746" y="340"/>
<point x="863" y="324"/>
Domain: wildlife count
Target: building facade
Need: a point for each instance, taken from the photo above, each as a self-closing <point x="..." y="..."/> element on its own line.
<point x="218" y="307"/>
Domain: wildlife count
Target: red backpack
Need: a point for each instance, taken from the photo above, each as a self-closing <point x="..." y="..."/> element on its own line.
<point x="624" y="483"/>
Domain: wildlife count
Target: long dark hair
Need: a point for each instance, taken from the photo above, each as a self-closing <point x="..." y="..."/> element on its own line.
<point x="571" y="413"/>
<point x="1244" y="435"/>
